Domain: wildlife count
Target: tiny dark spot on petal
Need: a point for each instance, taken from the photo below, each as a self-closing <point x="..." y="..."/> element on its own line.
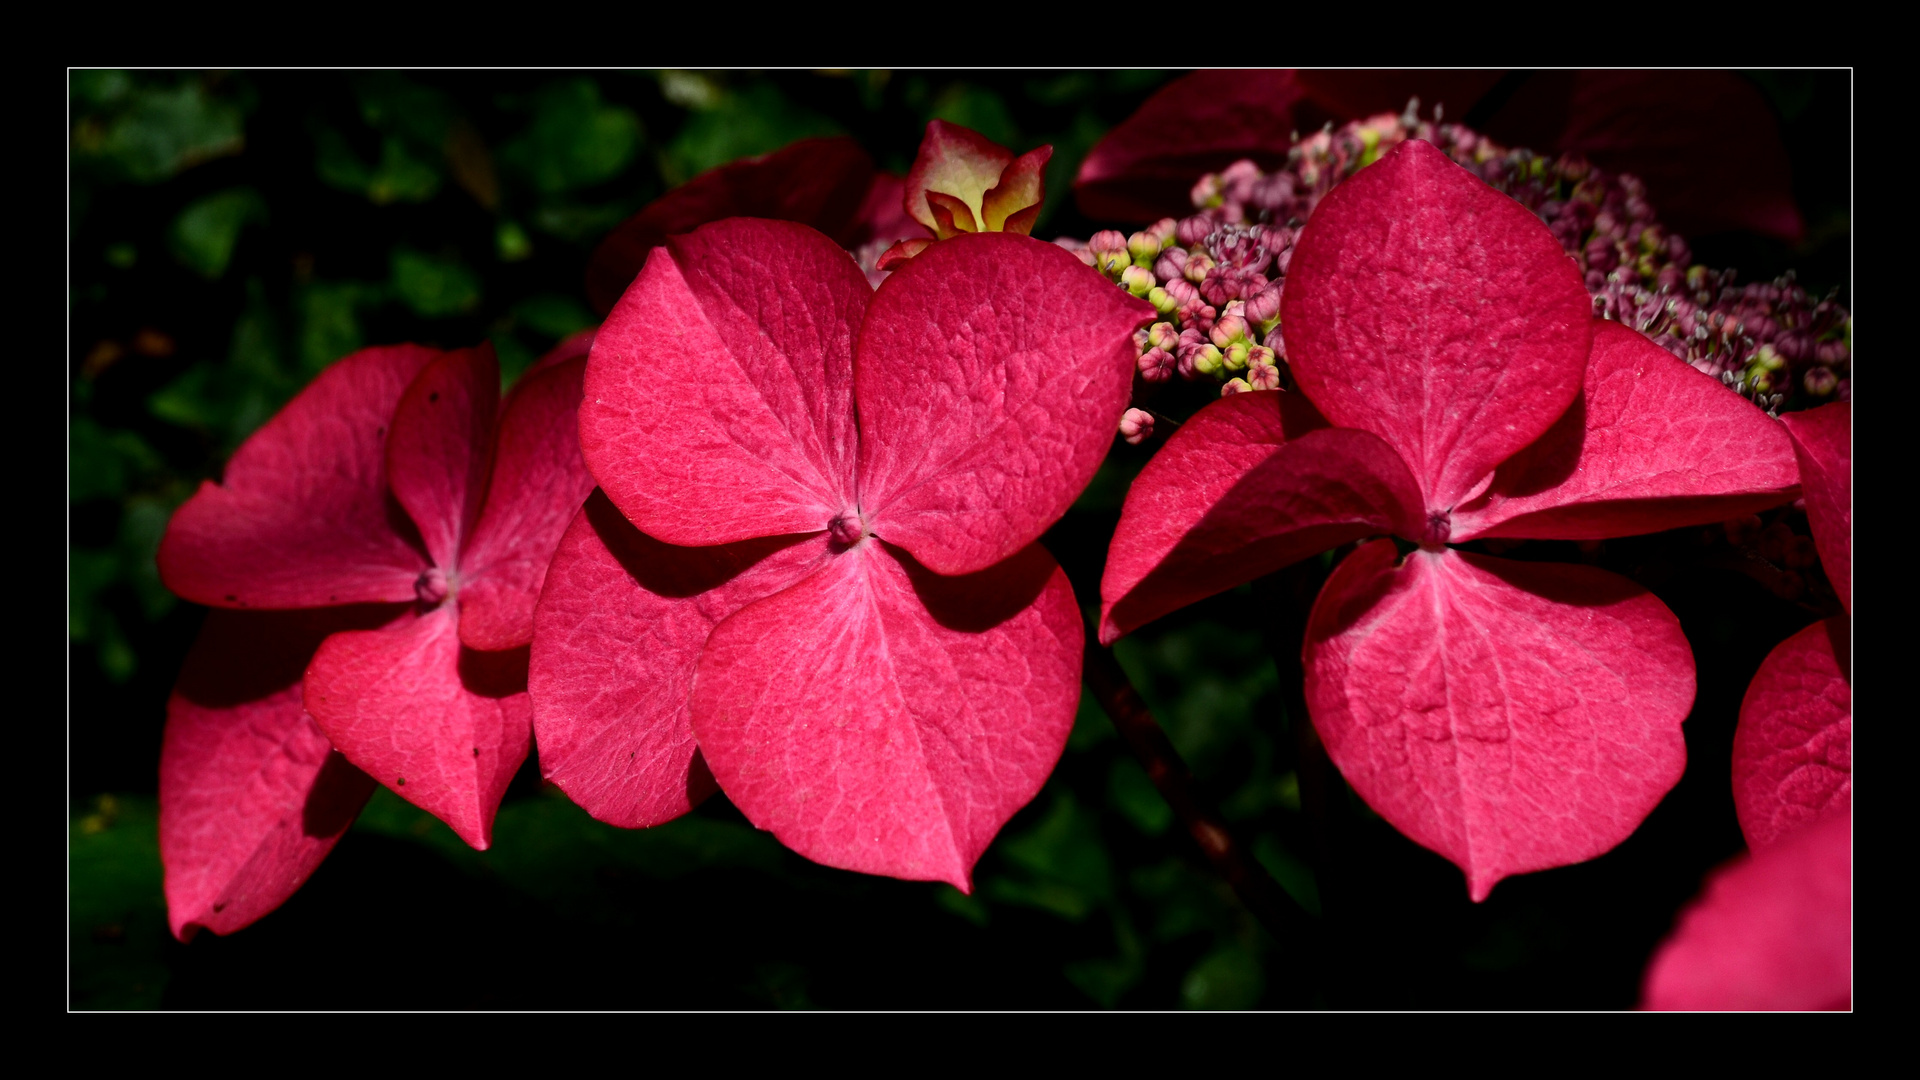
<point x="403" y="781"/>
<point x="219" y="907"/>
<point x="232" y="598"/>
<point x="433" y="397"/>
<point x="333" y="599"/>
<point x="476" y="751"/>
<point x="381" y="430"/>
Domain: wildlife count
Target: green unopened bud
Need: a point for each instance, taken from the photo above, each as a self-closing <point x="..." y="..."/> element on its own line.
<point x="1768" y="359"/>
<point x="1143" y="248"/>
<point x="1163" y="335"/>
<point x="1207" y="360"/>
<point x="1235" y="356"/>
<point x="1162" y="303"/>
<point x="1162" y="232"/>
<point x="1138" y="280"/>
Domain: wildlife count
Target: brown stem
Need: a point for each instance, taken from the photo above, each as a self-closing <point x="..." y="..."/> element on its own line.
<point x="1256" y="888"/>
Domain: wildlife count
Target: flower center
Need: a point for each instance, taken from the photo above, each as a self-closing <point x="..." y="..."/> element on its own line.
<point x="431" y="587"/>
<point x="1439" y="527"/>
<point x="846" y="530"/>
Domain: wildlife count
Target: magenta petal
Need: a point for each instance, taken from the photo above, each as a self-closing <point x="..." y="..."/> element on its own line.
<point x="617" y="637"/>
<point x="303" y="517"/>
<point x="1771" y="931"/>
<point x="992" y="374"/>
<point x="1437" y="313"/>
<point x="1650" y="444"/>
<point x="1231" y="497"/>
<point x="1793" y="750"/>
<point x="719" y="396"/>
<point x="252" y="796"/>
<point x="1823" y="449"/>
<point x="819" y="182"/>
<point x="881" y="718"/>
<point x="441" y="448"/>
<point x="1145" y="168"/>
<point x="538" y="484"/>
<point x="444" y="727"/>
<point x="1509" y="716"/>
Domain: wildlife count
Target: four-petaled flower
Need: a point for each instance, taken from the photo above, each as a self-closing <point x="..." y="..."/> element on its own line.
<point x="407" y="516"/>
<point x="1511" y="716"/>
<point x="833" y="599"/>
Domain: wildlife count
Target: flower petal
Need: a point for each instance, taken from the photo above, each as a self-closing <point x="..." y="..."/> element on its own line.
<point x="1823" y="449"/>
<point x="992" y="374"/>
<point x="252" y="796"/>
<point x="1771" y="931"/>
<point x="1650" y="444"/>
<point x="539" y="481"/>
<point x="1013" y="204"/>
<point x="1510" y="716"/>
<point x="882" y="718"/>
<point x="1253" y="482"/>
<point x="441" y="448"/>
<point x="719" y="402"/>
<point x="957" y="162"/>
<point x="617" y="637"/>
<point x="442" y="726"/>
<point x="1793" y="750"/>
<point x="818" y="182"/>
<point x="1145" y="168"/>
<point x="303" y="517"/>
<point x="1437" y="313"/>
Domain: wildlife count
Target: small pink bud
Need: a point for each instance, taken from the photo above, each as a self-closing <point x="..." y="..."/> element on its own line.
<point x="1171" y="264"/>
<point x="1140" y="340"/>
<point x="1156" y="365"/>
<point x="1138" y="280"/>
<point x="1198" y="267"/>
<point x="1206" y="191"/>
<point x="1183" y="291"/>
<point x="1108" y="240"/>
<point x="1276" y="342"/>
<point x="1234" y="386"/>
<point x="1136" y="426"/>
<point x="1228" y="330"/>
<point x="1263" y="309"/>
<point x="1193" y="231"/>
<point x="1162" y="231"/>
<point x="1263" y="375"/>
<point x="1820" y="382"/>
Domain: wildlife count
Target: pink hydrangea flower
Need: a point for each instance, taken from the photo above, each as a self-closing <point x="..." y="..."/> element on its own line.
<point x="812" y="574"/>
<point x="1511" y="716"/>
<point x="408" y="515"/>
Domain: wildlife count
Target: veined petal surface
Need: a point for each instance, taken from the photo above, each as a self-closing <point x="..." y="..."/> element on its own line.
<point x="1437" y="313"/>
<point x="303" y="517"/>
<point x="539" y="482"/>
<point x="719" y="401"/>
<point x="617" y="638"/>
<point x="992" y="373"/>
<point x="252" y="796"/>
<point x="1510" y="716"/>
<point x="1650" y="444"/>
<point x="1252" y="483"/>
<point x="1793" y="750"/>
<point x="444" y="727"/>
<point x="441" y="448"/>
<point x="882" y="718"/>
<point x="1823" y="448"/>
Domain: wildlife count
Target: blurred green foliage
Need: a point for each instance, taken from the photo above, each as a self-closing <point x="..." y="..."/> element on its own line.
<point x="232" y="234"/>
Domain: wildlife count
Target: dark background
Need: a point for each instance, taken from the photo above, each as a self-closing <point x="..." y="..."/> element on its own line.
<point x="230" y="234"/>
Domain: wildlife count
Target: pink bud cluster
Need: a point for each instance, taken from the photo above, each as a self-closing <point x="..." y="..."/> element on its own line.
<point x="1226" y="265"/>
